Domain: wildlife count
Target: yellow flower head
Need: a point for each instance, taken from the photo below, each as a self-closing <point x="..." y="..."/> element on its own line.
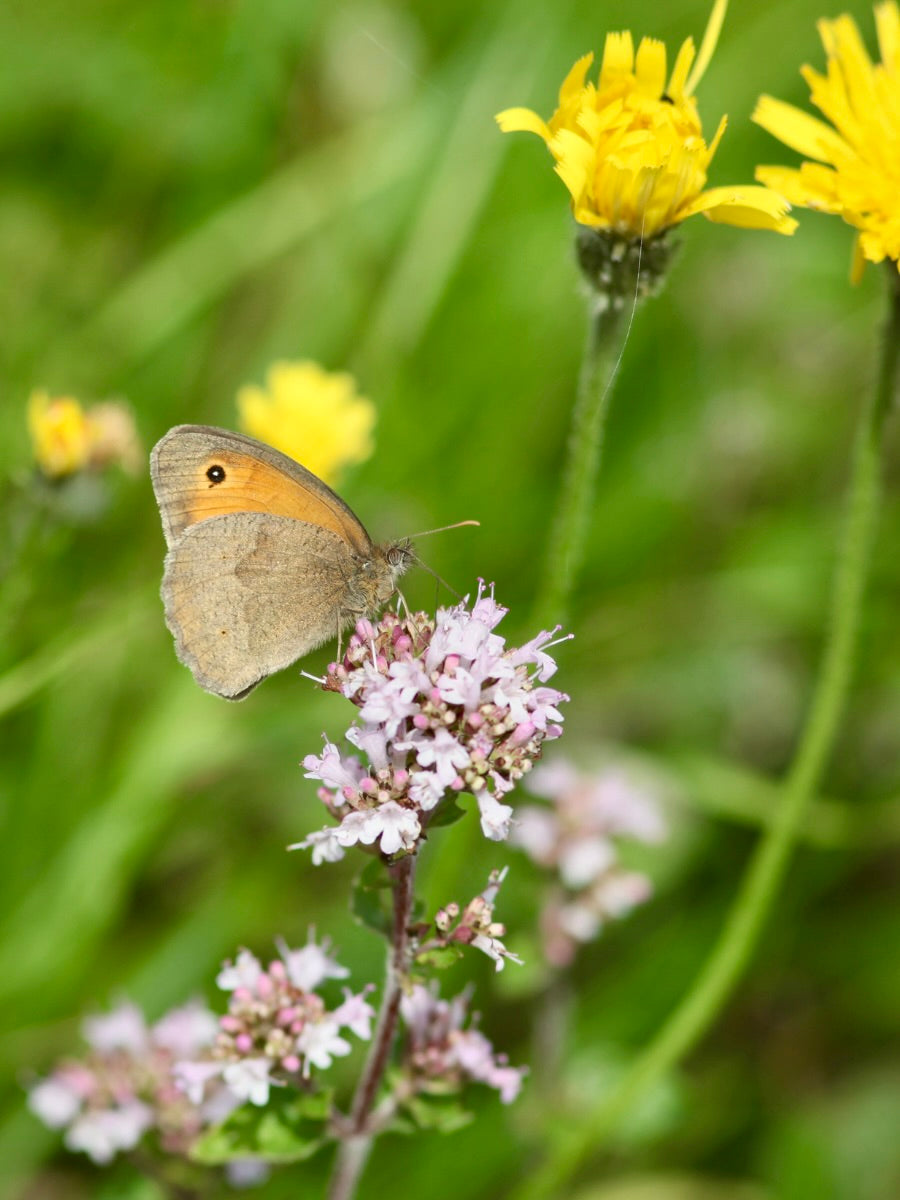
<point x="315" y="416"/>
<point x="630" y="147"/>
<point x="67" y="438"/>
<point x="856" y="167"/>
<point x="60" y="434"/>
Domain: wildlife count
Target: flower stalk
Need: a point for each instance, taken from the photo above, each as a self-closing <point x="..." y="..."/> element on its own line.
<point x="565" y="551"/>
<point x="737" y="941"/>
<point x="354" y="1150"/>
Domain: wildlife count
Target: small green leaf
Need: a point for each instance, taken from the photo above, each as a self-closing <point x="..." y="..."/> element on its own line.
<point x="447" y="812"/>
<point x="440" y="957"/>
<point x="443" y="1114"/>
<point x="370" y="900"/>
<point x="288" y="1129"/>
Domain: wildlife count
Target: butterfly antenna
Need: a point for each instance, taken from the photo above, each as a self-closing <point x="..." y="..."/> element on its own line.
<point x="440" y="579"/>
<point x="443" y="528"/>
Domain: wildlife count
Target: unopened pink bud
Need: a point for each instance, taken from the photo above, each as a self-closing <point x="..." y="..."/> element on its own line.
<point x="264" y="987"/>
<point x="285" y="1016"/>
<point x="291" y="1063"/>
<point x="522" y="733"/>
<point x="230" y="1024"/>
<point x="243" y="1043"/>
<point x="368" y="784"/>
<point x="277" y="970"/>
<point x="475" y="720"/>
<point x="451" y="662"/>
<point x="458" y="784"/>
<point x="242" y="995"/>
<point x="297" y="1027"/>
<point x="420" y="721"/>
<point x="401" y="778"/>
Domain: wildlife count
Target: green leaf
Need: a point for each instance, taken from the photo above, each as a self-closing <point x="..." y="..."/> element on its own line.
<point x="290" y="1128"/>
<point x="370" y="900"/>
<point x="446" y="812"/>
<point x="441" y="956"/>
<point x="443" y="1114"/>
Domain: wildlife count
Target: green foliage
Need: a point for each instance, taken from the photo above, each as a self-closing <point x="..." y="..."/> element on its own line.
<point x="193" y="190"/>
<point x="289" y="1129"/>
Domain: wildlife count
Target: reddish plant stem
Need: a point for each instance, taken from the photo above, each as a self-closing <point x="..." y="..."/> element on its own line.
<point x="354" y="1150"/>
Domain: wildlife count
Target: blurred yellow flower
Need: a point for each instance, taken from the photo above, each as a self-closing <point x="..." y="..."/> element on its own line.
<point x="60" y="433"/>
<point x="67" y="438"/>
<point x="856" y="172"/>
<point x="630" y="148"/>
<point x="315" y="416"/>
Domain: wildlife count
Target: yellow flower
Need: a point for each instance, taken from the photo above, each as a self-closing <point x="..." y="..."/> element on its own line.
<point x="630" y="148"/>
<point x="67" y="438"/>
<point x="856" y="172"/>
<point x="60" y="434"/>
<point x="315" y="416"/>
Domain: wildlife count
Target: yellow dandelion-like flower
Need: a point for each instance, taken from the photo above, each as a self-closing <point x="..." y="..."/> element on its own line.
<point x="630" y="147"/>
<point x="856" y="167"/>
<point x="60" y="434"/>
<point x="315" y="416"/>
<point x="67" y="437"/>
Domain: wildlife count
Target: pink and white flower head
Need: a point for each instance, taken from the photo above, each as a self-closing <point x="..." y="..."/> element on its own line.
<point x="441" y="1053"/>
<point x="445" y="706"/>
<point x="277" y="1028"/>
<point x="577" y="836"/>
<point x="474" y="925"/>
<point x="124" y="1087"/>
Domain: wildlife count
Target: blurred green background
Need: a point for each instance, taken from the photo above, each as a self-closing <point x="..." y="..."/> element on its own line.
<point x="193" y="189"/>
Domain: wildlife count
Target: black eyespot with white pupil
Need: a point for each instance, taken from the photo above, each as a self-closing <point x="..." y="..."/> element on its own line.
<point x="215" y="474"/>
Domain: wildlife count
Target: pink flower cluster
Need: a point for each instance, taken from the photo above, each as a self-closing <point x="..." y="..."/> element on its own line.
<point x="445" y="707"/>
<point x="442" y="1054"/>
<point x="472" y="926"/>
<point x="124" y="1086"/>
<point x="277" y="1027"/>
<point x="576" y="837"/>
<point x="187" y="1072"/>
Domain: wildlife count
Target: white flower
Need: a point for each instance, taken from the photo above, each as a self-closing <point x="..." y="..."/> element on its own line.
<point x="311" y="965"/>
<point x="495" y="949"/>
<point x="496" y="818"/>
<point x="54" y="1102"/>
<point x="425" y="790"/>
<point x="356" y="1013"/>
<point x="324" y="843"/>
<point x="186" y="1030"/>
<point x="583" y="860"/>
<point x="192" y="1078"/>
<point x="243" y="973"/>
<point x="333" y="769"/>
<point x="443" y="752"/>
<point x="397" y="827"/>
<point x="247" y="1172"/>
<point x="319" y="1042"/>
<point x="249" y="1079"/>
<point x="100" y="1134"/>
<point x="122" y="1029"/>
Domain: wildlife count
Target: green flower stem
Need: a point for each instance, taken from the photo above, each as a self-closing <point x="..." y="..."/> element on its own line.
<point x="356" y="1145"/>
<point x="736" y="943"/>
<point x="565" y="552"/>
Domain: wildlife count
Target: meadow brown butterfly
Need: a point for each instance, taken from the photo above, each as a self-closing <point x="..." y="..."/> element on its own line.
<point x="264" y="563"/>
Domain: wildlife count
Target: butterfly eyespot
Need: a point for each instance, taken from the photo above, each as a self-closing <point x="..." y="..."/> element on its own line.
<point x="215" y="474"/>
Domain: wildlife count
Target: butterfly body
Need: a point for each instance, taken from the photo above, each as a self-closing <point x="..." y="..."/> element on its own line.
<point x="264" y="563"/>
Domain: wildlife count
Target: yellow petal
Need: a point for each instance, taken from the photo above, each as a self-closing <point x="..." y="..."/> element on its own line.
<point x="618" y="58"/>
<point x="887" y="24"/>
<point x="650" y="67"/>
<point x="680" y="71"/>
<point x="797" y="129"/>
<point x="746" y="206"/>
<point x="707" y="46"/>
<point x="574" y="81"/>
<point x="786" y="181"/>
<point x="522" y="120"/>
<point x="574" y="159"/>
<point x="858" y="262"/>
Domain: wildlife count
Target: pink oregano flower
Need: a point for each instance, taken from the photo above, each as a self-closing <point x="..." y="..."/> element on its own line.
<point x="445" y="706"/>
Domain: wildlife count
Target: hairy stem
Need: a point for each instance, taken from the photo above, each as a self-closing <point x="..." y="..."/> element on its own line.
<point x="565" y="551"/>
<point x="766" y="870"/>
<point x="354" y="1150"/>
